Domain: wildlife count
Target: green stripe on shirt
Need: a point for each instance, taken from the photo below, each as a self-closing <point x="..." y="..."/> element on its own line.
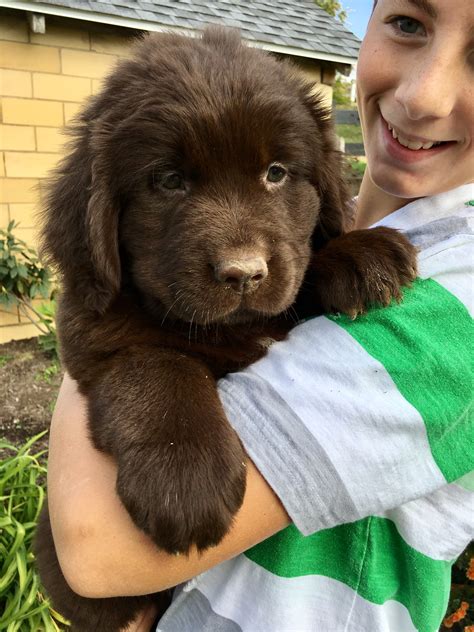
<point x="369" y="556"/>
<point x="425" y="344"/>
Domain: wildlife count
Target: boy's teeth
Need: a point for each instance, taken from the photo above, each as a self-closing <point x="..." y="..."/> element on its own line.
<point x="415" y="145"/>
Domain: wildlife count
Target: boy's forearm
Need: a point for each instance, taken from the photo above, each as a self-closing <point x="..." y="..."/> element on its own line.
<point x="99" y="547"/>
<point x="101" y="551"/>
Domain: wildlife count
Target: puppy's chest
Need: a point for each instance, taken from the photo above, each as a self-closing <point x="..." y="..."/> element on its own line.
<point x="236" y="350"/>
<point x="222" y="359"/>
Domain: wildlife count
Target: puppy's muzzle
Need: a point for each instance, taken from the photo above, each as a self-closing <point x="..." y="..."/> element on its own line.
<point x="242" y="275"/>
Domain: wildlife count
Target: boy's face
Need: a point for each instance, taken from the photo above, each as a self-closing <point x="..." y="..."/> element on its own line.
<point x="416" y="95"/>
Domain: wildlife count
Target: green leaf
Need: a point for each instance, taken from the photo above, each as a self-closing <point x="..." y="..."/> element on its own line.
<point x="22" y="271"/>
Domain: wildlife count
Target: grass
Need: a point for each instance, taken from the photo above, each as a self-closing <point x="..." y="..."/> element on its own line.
<point x="47" y="374"/>
<point x="350" y="133"/>
<point x="355" y="166"/>
<point x="5" y="359"/>
<point x="22" y="493"/>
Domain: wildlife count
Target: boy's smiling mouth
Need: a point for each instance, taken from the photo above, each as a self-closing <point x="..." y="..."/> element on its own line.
<point x="412" y="143"/>
<point x="410" y="148"/>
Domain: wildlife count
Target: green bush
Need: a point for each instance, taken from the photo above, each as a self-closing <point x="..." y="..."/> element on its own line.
<point x="22" y="481"/>
<point x="22" y="279"/>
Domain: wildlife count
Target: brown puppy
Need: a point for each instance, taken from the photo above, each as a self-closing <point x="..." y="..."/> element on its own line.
<point x="198" y="192"/>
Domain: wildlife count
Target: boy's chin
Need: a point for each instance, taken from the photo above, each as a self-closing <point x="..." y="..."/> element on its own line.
<point x="404" y="186"/>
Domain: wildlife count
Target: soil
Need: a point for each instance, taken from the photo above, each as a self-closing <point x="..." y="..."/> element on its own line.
<point x="29" y="383"/>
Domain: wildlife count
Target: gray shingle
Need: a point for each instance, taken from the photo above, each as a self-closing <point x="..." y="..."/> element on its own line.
<point x="301" y="25"/>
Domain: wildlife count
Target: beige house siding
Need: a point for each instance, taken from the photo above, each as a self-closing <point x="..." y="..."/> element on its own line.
<point x="44" y="79"/>
<point x="321" y="75"/>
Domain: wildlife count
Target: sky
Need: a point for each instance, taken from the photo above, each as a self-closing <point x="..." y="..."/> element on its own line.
<point x="358" y="13"/>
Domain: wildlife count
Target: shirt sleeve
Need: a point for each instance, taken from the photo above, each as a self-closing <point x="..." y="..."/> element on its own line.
<point x="347" y="419"/>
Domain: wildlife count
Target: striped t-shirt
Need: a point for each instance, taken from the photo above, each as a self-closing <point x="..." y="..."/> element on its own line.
<point x="365" y="430"/>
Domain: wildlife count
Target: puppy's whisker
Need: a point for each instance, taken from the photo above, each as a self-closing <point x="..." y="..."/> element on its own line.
<point x="292" y="313"/>
<point x="190" y="325"/>
<point x="171" y="306"/>
<point x="204" y="320"/>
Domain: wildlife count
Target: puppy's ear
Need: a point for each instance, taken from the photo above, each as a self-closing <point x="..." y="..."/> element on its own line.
<point x="80" y="228"/>
<point x="336" y="214"/>
<point x="102" y="219"/>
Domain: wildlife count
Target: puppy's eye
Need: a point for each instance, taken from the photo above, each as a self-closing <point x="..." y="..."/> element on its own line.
<point x="172" y="181"/>
<point x="276" y="173"/>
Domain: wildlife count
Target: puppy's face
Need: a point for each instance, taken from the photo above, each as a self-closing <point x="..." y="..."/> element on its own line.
<point x="219" y="228"/>
<point x="215" y="176"/>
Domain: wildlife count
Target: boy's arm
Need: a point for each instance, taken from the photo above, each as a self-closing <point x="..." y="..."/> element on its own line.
<point x="101" y="552"/>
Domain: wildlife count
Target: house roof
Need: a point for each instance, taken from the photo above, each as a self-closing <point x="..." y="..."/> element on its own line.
<point x="297" y="28"/>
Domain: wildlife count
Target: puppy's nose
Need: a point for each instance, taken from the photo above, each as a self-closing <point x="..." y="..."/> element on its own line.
<point x="243" y="275"/>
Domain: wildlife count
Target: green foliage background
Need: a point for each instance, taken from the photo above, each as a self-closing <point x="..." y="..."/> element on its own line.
<point x="334" y="8"/>
<point x="22" y="280"/>
<point x="22" y="493"/>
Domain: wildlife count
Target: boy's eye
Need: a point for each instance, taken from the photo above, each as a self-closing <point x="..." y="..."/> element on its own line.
<point x="408" y="26"/>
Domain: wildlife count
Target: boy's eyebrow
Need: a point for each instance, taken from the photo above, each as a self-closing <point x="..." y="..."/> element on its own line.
<point x="426" y="6"/>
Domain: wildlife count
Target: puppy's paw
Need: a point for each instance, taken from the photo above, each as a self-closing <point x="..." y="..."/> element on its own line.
<point x="363" y="268"/>
<point x="184" y="495"/>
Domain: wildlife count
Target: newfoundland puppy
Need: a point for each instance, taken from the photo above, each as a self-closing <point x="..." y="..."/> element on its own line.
<point x="200" y="212"/>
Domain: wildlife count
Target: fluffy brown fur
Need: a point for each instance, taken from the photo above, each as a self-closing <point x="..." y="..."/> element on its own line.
<point x="200" y="189"/>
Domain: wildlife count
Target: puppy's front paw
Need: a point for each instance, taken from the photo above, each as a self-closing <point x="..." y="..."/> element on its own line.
<point x="363" y="268"/>
<point x="182" y="495"/>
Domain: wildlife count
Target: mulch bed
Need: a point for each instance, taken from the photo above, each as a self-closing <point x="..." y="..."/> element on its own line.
<point x="28" y="390"/>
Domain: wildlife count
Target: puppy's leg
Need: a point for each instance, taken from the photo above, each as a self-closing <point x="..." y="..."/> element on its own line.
<point x="181" y="466"/>
<point x="85" y="615"/>
<point x="361" y="268"/>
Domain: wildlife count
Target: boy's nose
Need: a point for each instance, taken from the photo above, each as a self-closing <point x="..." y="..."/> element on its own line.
<point x="428" y="90"/>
